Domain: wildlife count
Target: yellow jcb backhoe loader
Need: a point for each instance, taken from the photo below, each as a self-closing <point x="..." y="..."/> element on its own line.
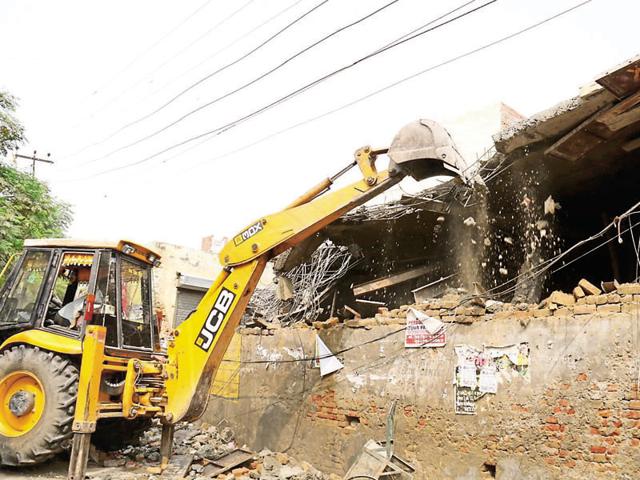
<point x="80" y="352"/>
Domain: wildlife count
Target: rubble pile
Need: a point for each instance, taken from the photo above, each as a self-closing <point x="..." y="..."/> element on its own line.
<point x="203" y="442"/>
<point x="585" y="299"/>
<point x="270" y="465"/>
<point x="202" y="445"/>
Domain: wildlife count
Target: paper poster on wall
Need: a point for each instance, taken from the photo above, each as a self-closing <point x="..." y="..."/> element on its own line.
<point x="480" y="371"/>
<point x="423" y="330"/>
<point x="465" y="400"/>
<point x="488" y="381"/>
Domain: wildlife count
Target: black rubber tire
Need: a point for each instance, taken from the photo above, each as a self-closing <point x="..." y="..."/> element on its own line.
<point x="116" y="433"/>
<point x="59" y="379"/>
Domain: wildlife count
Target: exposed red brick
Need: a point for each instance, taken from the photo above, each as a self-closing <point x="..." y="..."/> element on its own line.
<point x="551" y="419"/>
<point x="582" y="377"/>
<point x="515" y="407"/>
<point x="634" y="404"/>
<point x="598" y="449"/>
<point x="604" y="413"/>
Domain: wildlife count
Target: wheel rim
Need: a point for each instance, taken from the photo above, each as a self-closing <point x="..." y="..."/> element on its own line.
<point x="22" y="401"/>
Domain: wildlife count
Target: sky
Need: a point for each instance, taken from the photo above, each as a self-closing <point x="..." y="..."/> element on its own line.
<point x="90" y="75"/>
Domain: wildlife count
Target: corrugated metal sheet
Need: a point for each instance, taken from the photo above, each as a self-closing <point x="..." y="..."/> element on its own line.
<point x="186" y="302"/>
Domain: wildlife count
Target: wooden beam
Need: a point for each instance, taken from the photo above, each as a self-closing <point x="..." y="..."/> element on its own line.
<point x="391" y="280"/>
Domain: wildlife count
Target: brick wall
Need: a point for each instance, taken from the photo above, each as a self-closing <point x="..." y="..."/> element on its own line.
<point x="578" y="416"/>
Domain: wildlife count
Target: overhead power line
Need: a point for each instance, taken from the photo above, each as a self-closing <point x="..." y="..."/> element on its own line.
<point x="386" y="87"/>
<point x="142" y="79"/>
<point x="228" y="126"/>
<point x="153" y="45"/>
<point x="233" y="42"/>
<point x="243" y="86"/>
<point x="219" y="70"/>
<point x="364" y="97"/>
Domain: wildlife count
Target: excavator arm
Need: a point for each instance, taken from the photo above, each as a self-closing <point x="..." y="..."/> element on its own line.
<point x="176" y="388"/>
<point x="199" y="343"/>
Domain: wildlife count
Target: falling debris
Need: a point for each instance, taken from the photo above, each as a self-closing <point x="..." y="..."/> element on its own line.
<point x="550" y="206"/>
<point x="470" y="222"/>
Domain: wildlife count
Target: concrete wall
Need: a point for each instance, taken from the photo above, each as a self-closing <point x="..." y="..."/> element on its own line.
<point x="578" y="416"/>
<point x="178" y="259"/>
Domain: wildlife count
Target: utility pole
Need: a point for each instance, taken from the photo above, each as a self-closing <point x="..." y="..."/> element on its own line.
<point x="34" y="159"/>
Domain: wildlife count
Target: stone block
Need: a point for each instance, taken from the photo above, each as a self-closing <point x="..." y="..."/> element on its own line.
<point x="561" y="298"/>
<point x="474" y="311"/>
<point x="613" y="298"/>
<point x="578" y="292"/>
<point x="609" y="308"/>
<point x="562" y="312"/>
<point x="584" y="309"/>
<point x="597" y="299"/>
<point x="629" y="289"/>
<point x="541" y="312"/>
<point x="588" y="287"/>
<point x="630" y="308"/>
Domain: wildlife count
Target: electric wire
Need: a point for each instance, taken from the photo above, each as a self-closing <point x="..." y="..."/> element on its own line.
<point x="243" y="86"/>
<point x="375" y="92"/>
<point x="226" y="127"/>
<point x="151" y="47"/>
<point x="212" y="74"/>
<point x="135" y="60"/>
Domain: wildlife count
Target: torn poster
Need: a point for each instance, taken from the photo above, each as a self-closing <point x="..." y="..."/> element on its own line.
<point x="488" y="381"/>
<point x="423" y="330"/>
<point x="465" y="400"/>
<point x="327" y="360"/>
<point x="481" y="371"/>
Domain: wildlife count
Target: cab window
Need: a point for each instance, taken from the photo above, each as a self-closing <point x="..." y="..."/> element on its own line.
<point x="70" y="289"/>
<point x="105" y="306"/>
<point x="135" y="308"/>
<point x="18" y="303"/>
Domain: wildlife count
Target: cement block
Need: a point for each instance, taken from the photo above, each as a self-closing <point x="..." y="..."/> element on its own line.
<point x="629" y="289"/>
<point x="609" y="308"/>
<point x="588" y="287"/>
<point x="584" y="309"/>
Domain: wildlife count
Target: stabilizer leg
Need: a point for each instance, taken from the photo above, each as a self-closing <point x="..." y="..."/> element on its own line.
<point x="166" y="444"/>
<point x="79" y="456"/>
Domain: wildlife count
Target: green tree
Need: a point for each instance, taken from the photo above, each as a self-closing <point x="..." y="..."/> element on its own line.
<point x="27" y="208"/>
<point x="11" y="130"/>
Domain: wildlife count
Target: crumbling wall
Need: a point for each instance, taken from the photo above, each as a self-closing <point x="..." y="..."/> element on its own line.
<point x="576" y="414"/>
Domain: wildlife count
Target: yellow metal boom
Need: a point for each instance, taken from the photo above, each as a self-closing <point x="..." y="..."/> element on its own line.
<point x="199" y="343"/>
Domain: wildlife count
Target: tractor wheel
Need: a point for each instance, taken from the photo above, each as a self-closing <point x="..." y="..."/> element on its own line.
<point x="116" y="433"/>
<point x="38" y="391"/>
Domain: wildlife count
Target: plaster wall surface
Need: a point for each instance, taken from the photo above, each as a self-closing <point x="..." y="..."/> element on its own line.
<point x="178" y="259"/>
<point x="576" y="417"/>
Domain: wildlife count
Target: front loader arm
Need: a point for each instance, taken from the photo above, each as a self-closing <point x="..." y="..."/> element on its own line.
<point x="199" y="343"/>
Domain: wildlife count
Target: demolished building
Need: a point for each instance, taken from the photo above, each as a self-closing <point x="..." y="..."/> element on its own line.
<point x="532" y="370"/>
<point x="548" y="182"/>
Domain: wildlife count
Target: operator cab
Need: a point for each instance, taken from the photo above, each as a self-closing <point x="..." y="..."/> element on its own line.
<point x="61" y="285"/>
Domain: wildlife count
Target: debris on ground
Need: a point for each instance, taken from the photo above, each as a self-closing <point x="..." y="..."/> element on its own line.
<point x="210" y="452"/>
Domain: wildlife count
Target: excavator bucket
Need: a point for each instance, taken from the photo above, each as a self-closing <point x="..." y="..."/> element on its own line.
<point x="424" y="149"/>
